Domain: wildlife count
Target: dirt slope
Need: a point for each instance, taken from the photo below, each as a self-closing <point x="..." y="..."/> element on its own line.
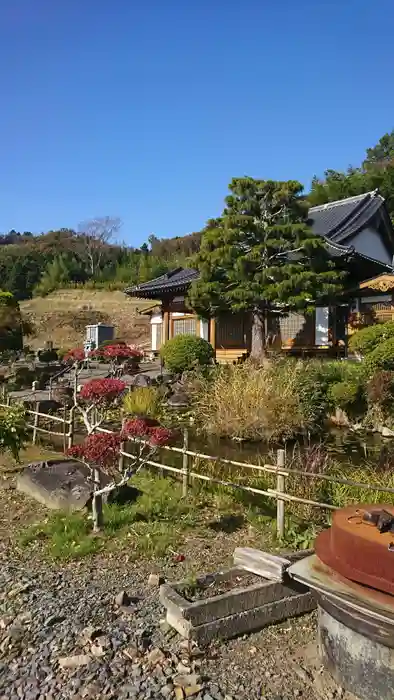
<point x="63" y="315"/>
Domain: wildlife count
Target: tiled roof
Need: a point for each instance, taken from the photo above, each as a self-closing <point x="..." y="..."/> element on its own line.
<point x="339" y="220"/>
<point x="336" y="221"/>
<point x="177" y="280"/>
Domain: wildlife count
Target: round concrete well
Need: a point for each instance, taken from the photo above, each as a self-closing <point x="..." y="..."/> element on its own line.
<point x="358" y="650"/>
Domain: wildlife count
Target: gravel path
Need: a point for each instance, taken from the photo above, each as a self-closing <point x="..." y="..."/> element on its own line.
<point x="63" y="636"/>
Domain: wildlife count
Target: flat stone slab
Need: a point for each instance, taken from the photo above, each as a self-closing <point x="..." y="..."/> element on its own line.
<point x="261" y="563"/>
<point x="60" y="484"/>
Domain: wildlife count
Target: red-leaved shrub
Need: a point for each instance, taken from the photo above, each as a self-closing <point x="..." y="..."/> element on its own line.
<point x="102" y="391"/>
<point x="118" y="352"/>
<point x="156" y="435"/>
<point x="74" y="355"/>
<point x="99" y="449"/>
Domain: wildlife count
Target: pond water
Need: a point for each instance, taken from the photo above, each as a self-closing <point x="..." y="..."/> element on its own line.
<point x="344" y="446"/>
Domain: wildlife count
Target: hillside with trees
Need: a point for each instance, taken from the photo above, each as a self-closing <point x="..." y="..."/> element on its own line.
<point x="36" y="265"/>
<point x="375" y="172"/>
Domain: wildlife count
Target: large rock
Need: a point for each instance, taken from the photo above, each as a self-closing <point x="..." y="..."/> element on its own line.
<point x="60" y="484"/>
<point x="178" y="400"/>
<point x="140" y="380"/>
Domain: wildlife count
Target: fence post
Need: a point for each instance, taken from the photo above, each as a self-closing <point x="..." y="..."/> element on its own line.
<point x="35" y="424"/>
<point x="97" y="502"/>
<point x="70" y="434"/>
<point x="280" y="487"/>
<point x="185" y="463"/>
<point x="121" y="449"/>
<point x="64" y="428"/>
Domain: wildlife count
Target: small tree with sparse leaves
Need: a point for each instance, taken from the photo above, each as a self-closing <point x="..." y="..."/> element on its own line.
<point x="102" y="452"/>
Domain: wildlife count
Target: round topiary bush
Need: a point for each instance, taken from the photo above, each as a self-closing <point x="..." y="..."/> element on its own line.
<point x="48" y="355"/>
<point x="367" y="339"/>
<point x="185" y="352"/>
<point x="381" y="358"/>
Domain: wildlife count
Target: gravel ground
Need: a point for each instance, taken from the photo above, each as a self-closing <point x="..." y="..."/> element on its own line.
<point x="63" y="636"/>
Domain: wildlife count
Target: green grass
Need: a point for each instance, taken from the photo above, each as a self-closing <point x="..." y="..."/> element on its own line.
<point x="155" y="521"/>
<point x="158" y="522"/>
<point x="161" y="520"/>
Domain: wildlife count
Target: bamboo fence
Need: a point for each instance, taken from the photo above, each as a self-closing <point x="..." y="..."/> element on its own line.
<point x="187" y="473"/>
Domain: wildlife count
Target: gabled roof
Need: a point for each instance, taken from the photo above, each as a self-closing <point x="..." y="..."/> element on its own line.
<point x="335" y="221"/>
<point x="339" y="220"/>
<point x="178" y="280"/>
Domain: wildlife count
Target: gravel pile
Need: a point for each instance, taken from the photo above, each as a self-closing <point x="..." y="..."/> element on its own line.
<point x="97" y="631"/>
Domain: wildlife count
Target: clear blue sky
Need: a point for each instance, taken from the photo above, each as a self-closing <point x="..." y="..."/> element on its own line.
<point x="146" y="110"/>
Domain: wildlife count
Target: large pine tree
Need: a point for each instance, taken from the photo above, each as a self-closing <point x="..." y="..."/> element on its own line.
<point x="261" y="254"/>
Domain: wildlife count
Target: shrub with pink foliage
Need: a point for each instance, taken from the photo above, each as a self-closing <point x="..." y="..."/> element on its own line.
<point x="159" y="436"/>
<point x="150" y="431"/>
<point x="74" y="355"/>
<point x="99" y="449"/>
<point x="102" y="391"/>
<point x="118" y="352"/>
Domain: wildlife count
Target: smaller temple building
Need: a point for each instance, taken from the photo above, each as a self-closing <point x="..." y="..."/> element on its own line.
<point x="359" y="235"/>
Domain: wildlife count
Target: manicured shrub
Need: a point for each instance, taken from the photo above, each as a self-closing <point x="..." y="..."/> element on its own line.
<point x="347" y="395"/>
<point x="382" y="357"/>
<point x="102" y="391"/>
<point x="74" y="355"/>
<point x="367" y="339"/>
<point x="48" y="355"/>
<point x="315" y="380"/>
<point x="186" y="352"/>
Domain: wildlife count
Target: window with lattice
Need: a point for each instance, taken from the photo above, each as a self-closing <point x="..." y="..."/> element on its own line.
<point x="297" y="329"/>
<point x="184" y="326"/>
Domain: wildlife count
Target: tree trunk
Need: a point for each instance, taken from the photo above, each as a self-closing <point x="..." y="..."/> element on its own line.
<point x="97" y="503"/>
<point x="258" y="348"/>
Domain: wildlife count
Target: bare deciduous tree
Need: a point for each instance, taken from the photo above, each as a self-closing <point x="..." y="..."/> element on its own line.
<point x="95" y="234"/>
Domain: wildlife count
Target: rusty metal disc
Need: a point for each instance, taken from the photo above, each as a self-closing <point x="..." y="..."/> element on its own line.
<point x="357" y="550"/>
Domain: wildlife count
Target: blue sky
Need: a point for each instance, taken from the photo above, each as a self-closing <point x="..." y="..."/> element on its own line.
<point x="146" y="110"/>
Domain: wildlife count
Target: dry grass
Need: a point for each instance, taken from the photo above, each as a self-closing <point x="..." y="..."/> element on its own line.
<point x="63" y="315"/>
<point x="249" y="402"/>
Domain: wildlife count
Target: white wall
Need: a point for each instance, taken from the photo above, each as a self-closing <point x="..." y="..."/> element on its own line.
<point x="204" y="329"/>
<point x="155" y="320"/>
<point x="368" y="242"/>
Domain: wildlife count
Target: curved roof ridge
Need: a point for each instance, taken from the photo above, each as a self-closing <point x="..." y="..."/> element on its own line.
<point x="346" y="200"/>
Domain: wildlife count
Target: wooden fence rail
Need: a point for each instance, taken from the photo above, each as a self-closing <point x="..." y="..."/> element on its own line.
<point x="190" y="458"/>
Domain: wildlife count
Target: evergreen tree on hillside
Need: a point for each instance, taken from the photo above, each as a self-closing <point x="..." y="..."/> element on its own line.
<point x="261" y="254"/>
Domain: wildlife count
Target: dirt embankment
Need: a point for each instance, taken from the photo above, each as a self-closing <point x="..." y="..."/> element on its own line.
<point x="63" y="315"/>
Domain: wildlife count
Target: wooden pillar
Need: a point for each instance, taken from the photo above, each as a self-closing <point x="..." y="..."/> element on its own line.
<point x="212" y="332"/>
<point x="166" y="326"/>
